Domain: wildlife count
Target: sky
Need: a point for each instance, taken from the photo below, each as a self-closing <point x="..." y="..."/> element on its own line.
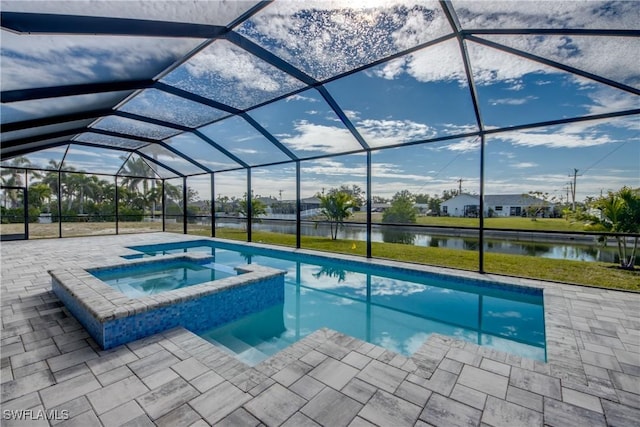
<point x="411" y="98"/>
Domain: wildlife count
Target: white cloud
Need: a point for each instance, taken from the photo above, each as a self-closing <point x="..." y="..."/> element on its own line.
<point x="332" y="167"/>
<point x="338" y="36"/>
<point x="439" y="63"/>
<point x="39" y="60"/>
<point x="524" y="165"/>
<point x="560" y="138"/>
<point x="244" y="151"/>
<point x="512" y="101"/>
<point x="490" y="66"/>
<point x="201" y="12"/>
<point x="315" y="137"/>
<point x="466" y="145"/>
<point x="389" y="70"/>
<point x="392" y="171"/>
<point x="533" y="14"/>
<point x="606" y="100"/>
<point x="232" y="63"/>
<point x="507" y="154"/>
<point x="609" y="57"/>
<point x="380" y="133"/>
<point x="454" y="129"/>
<point x="353" y="115"/>
<point x="298" y="97"/>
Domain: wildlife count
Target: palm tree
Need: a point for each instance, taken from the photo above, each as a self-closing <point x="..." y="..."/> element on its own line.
<point x="83" y="187"/>
<point x="620" y="213"/>
<point x="257" y="208"/>
<point x="138" y="172"/>
<point x="38" y="193"/>
<point x="173" y="193"/>
<point x="336" y="206"/>
<point x="12" y="177"/>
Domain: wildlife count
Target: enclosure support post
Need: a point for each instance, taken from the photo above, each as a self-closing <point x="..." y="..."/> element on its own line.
<point x="117" y="212"/>
<point x="369" y="307"/>
<point x="369" y="204"/>
<point x="59" y="204"/>
<point x="213" y="206"/>
<point x="184" y="205"/>
<point x="298" y="206"/>
<point x="26" y="205"/>
<point x="480" y="302"/>
<point x="249" y="207"/>
<point x="481" y="230"/>
<point x="164" y="208"/>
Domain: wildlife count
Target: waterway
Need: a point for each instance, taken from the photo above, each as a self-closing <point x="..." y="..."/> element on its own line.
<point x="522" y="243"/>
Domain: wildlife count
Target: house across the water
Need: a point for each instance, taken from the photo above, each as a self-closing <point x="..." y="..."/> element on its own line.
<point x="496" y="205"/>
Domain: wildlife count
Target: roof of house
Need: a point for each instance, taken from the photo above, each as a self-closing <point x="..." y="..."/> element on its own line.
<point x="511" y="200"/>
<point x="503" y="199"/>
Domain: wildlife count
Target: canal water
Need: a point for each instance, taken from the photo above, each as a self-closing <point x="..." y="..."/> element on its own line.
<point x="524" y="244"/>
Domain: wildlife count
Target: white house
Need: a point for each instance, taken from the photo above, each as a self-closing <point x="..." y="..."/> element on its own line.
<point x="513" y="204"/>
<point x="461" y="205"/>
<point x="495" y="205"/>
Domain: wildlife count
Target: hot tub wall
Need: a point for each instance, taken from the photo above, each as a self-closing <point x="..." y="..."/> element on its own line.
<point x="79" y="311"/>
<point x="199" y="314"/>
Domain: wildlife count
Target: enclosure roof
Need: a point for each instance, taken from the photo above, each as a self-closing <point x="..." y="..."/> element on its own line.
<point x="194" y="87"/>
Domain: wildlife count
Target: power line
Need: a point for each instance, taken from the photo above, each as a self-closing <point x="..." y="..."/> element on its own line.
<point x="604" y="157"/>
<point x="445" y="166"/>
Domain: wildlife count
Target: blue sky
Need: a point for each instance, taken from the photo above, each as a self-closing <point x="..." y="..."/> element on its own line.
<point x="415" y="97"/>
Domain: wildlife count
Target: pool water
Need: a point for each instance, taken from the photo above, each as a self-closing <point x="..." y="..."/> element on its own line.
<point x="397" y="310"/>
<point x="157" y="277"/>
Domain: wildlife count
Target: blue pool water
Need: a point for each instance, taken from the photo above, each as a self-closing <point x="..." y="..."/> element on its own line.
<point x="393" y="308"/>
<point x="156" y="277"/>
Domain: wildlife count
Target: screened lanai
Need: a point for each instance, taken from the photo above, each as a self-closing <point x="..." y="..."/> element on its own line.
<point x="497" y="125"/>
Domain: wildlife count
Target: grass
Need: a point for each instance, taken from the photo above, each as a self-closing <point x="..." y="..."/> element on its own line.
<point x="577" y="272"/>
<point x="557" y="224"/>
<point x="598" y="274"/>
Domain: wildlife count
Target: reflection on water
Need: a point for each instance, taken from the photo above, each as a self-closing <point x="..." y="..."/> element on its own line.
<point x="396" y="235"/>
<point x="397" y="312"/>
<point x="389" y="234"/>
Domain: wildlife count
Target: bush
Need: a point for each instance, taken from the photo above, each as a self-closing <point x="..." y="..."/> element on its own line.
<point x="130" y="214"/>
<point x="402" y="209"/>
<point x="16" y="215"/>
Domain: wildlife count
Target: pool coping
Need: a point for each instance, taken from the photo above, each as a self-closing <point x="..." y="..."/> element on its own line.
<point x="106" y="303"/>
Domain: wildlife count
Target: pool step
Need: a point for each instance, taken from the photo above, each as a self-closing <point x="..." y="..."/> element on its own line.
<point x="252" y="356"/>
<point x="240" y="349"/>
<point x="234" y="344"/>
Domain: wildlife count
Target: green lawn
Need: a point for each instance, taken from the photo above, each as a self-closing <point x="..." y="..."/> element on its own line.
<point x="575" y="272"/>
<point x="558" y="224"/>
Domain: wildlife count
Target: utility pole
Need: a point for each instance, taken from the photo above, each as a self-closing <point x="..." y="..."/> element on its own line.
<point x="280" y="191"/>
<point x="460" y="186"/>
<point x="573" y="189"/>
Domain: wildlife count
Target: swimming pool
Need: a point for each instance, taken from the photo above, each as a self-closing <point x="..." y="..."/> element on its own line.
<point x="157" y="277"/>
<point x="394" y="308"/>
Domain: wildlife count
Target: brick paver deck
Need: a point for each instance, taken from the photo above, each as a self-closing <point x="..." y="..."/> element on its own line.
<point x="51" y="366"/>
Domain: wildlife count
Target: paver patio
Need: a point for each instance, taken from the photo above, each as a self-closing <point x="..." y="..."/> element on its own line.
<point x="49" y="363"/>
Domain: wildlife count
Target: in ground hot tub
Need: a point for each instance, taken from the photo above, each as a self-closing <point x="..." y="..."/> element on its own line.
<point x="113" y="318"/>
